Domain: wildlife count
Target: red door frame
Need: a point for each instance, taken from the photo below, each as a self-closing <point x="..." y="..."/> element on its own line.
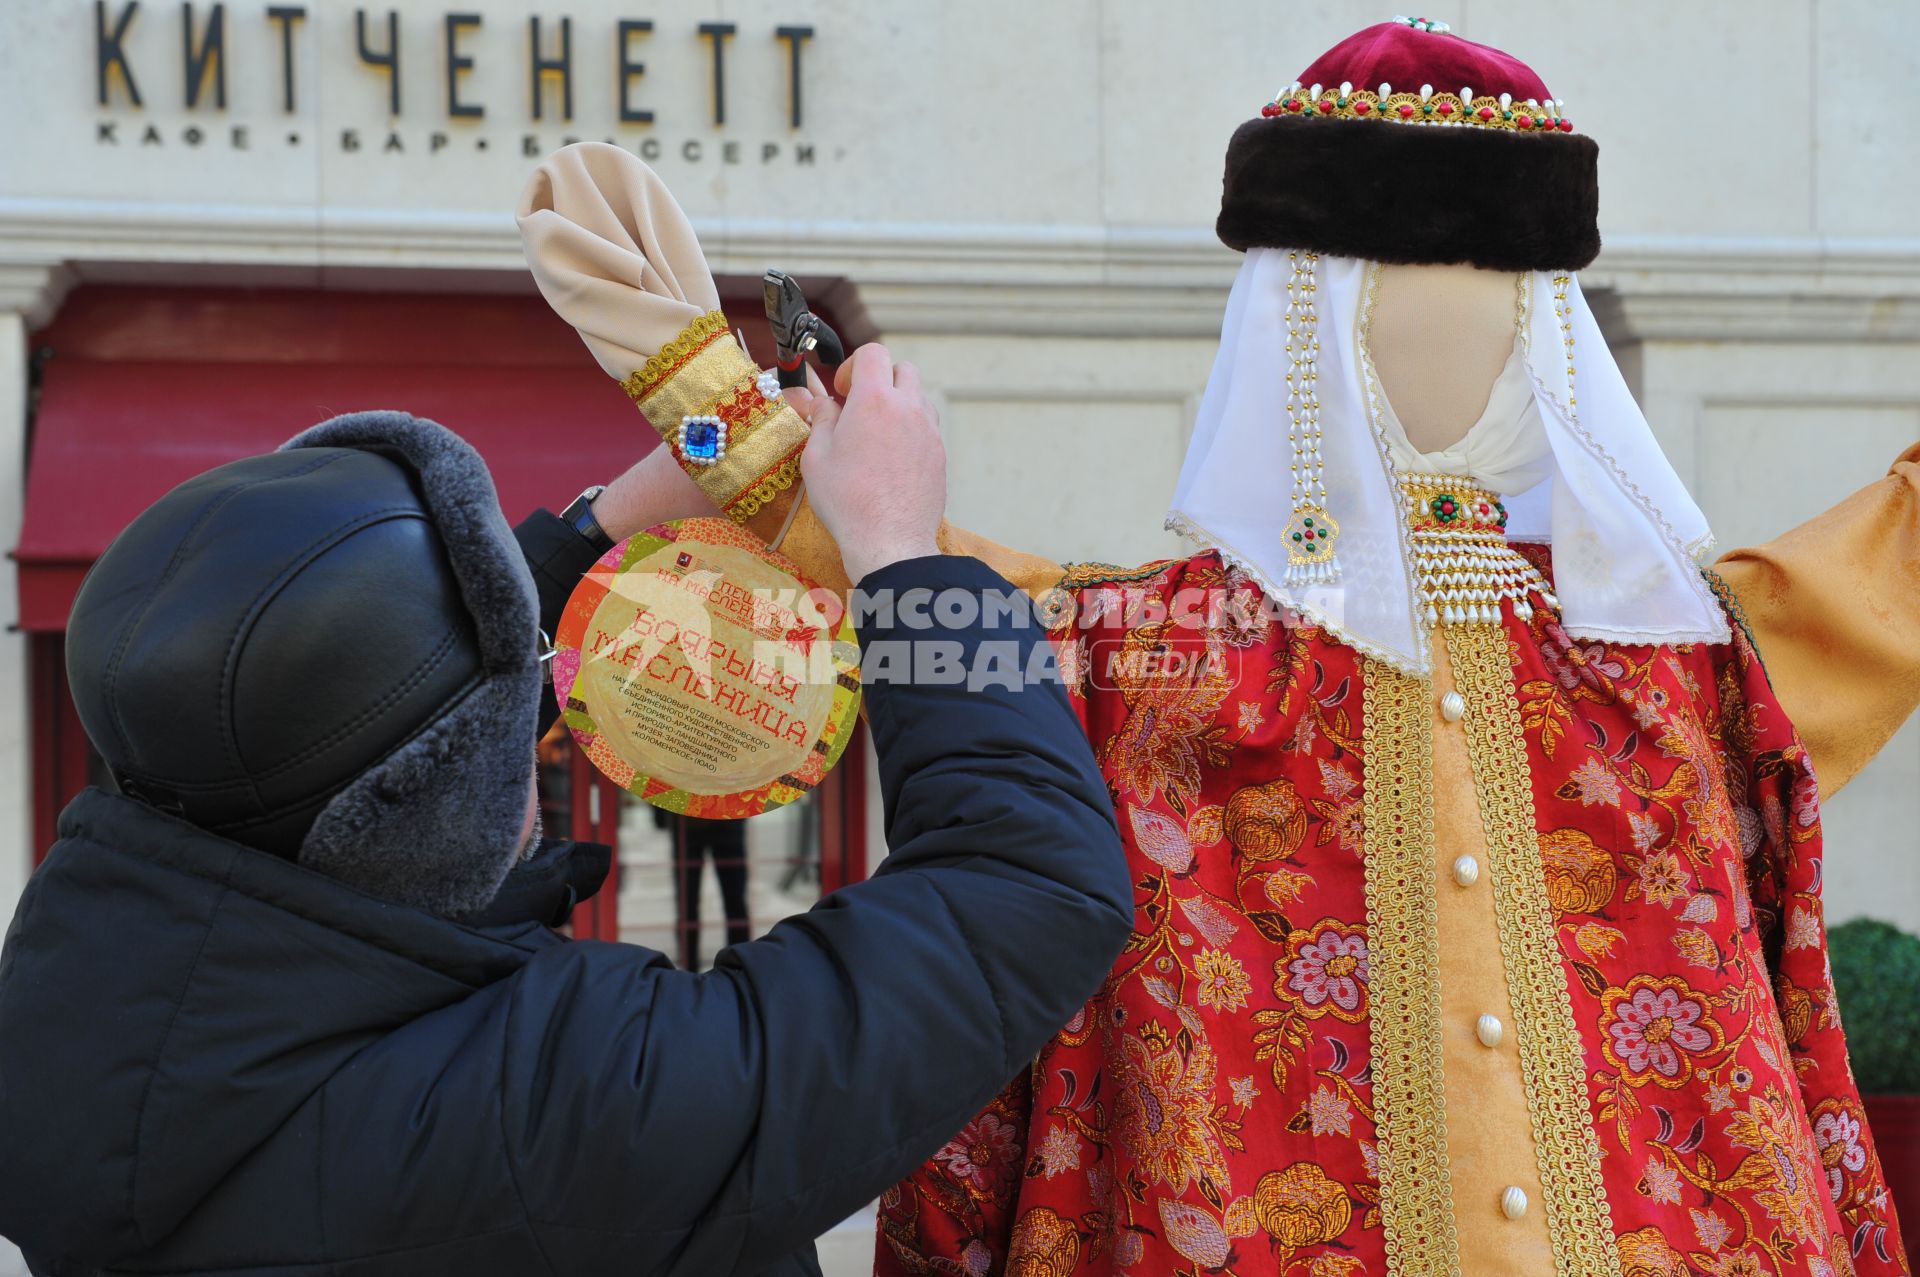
<point x="63" y="760"/>
<point x="595" y="802"/>
<point x="843" y="816"/>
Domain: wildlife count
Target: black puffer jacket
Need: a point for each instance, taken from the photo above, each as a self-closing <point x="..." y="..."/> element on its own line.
<point x="214" y="1061"/>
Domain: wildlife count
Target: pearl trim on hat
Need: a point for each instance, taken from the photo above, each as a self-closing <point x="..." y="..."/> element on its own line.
<point x="1424" y="107"/>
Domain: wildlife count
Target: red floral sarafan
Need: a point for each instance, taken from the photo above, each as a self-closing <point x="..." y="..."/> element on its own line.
<point x="1211" y="1109"/>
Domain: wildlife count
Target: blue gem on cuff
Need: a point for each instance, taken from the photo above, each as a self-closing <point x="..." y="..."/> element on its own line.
<point x="703" y="440"/>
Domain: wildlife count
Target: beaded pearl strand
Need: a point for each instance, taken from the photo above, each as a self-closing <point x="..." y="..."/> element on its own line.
<point x="1311" y="531"/>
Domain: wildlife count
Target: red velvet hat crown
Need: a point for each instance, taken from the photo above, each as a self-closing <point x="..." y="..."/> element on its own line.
<point x="1407" y="143"/>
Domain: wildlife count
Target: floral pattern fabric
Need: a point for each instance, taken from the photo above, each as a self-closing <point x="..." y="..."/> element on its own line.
<point x="1209" y="1110"/>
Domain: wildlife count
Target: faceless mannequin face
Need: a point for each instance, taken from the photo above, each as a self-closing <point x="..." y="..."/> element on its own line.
<point x="1440" y="336"/>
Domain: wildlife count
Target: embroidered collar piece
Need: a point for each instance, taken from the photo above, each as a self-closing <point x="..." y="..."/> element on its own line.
<point x="1460" y="553"/>
<point x="1294" y="423"/>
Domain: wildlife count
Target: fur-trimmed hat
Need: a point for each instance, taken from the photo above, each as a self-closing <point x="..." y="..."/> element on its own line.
<point x="329" y="653"/>
<point x="1407" y="143"/>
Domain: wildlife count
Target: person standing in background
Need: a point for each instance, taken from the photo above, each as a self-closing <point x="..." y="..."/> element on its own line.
<point x="695" y="842"/>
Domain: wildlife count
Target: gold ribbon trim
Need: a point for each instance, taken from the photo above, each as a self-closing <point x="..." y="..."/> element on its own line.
<point x="703" y="372"/>
<point x="676" y="352"/>
<point x="1403" y="957"/>
<point x="1579" y="1223"/>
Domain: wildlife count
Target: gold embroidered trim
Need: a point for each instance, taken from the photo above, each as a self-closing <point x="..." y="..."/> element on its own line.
<point x="1451" y="109"/>
<point x="1731" y="602"/>
<point x="776" y="481"/>
<point x="1080" y="575"/>
<point x="676" y="352"/>
<point x="1403" y="959"/>
<point x="1579" y="1223"/>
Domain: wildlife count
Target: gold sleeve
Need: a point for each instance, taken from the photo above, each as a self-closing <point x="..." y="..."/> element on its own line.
<point x="1834" y="606"/>
<point x="750" y="458"/>
<point x="710" y="406"/>
<point x="747" y="457"/>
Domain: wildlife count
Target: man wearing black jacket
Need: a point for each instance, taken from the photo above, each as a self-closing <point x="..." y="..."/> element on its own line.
<point x="287" y="1003"/>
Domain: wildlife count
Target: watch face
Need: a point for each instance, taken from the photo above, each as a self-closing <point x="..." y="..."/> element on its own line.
<point x="579" y="516"/>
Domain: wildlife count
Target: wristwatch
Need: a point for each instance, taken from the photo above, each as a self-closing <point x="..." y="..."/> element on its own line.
<point x="579" y="517"/>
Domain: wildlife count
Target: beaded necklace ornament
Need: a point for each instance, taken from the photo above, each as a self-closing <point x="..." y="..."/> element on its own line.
<point x="1460" y="553"/>
<point x="1311" y="531"/>
<point x="1563" y="311"/>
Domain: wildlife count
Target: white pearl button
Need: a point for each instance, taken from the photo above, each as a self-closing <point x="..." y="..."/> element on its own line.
<point x="1488" y="1029"/>
<point x="1466" y="871"/>
<point x="1513" y="1202"/>
<point x="1453" y="707"/>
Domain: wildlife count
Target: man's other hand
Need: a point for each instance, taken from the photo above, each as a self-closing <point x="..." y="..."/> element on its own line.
<point x="876" y="471"/>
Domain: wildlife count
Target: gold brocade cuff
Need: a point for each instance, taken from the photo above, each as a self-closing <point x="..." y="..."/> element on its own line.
<point x="706" y="400"/>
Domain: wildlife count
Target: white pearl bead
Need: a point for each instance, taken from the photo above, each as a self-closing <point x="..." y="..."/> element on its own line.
<point x="1513" y="1202"/>
<point x="1466" y="871"/>
<point x="1453" y="707"/>
<point x="1489" y="1030"/>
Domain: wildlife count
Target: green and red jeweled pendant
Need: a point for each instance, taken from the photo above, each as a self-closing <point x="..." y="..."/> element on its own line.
<point x="1310" y="535"/>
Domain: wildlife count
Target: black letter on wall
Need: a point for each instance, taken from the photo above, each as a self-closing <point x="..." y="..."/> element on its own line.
<point x="390" y="60"/>
<point x="717" y="33"/>
<point x="561" y="66"/>
<point x="795" y="37"/>
<point x="286" y="16"/>
<point x="456" y="64"/>
<point x="109" y="51"/>
<point x="628" y="70"/>
<point x="213" y="49"/>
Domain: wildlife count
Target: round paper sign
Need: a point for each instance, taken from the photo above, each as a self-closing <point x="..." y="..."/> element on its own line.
<point x="699" y="671"/>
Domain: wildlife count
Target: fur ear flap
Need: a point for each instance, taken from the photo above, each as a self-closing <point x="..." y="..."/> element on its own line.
<point x="436" y="823"/>
<point x="1413" y="194"/>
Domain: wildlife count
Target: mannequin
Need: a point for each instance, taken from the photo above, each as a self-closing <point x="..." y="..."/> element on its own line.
<point x="1430" y="863"/>
<point x="1440" y="336"/>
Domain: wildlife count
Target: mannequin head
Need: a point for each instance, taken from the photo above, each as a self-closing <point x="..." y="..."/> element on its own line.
<point x="1440" y="336"/>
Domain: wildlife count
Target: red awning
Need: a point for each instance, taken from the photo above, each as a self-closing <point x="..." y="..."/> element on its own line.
<point x="117" y="427"/>
<point x="111" y="439"/>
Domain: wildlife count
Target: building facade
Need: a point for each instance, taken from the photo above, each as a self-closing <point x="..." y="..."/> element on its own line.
<point x="222" y="221"/>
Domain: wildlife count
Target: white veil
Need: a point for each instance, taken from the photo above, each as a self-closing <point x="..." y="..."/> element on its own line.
<point x="1624" y="530"/>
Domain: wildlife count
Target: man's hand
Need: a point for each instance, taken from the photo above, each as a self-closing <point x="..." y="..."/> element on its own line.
<point x="876" y="471"/>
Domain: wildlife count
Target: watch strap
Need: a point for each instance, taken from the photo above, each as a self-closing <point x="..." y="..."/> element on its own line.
<point x="579" y="517"/>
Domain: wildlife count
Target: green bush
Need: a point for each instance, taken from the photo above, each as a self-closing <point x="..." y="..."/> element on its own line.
<point x="1876" y="969"/>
